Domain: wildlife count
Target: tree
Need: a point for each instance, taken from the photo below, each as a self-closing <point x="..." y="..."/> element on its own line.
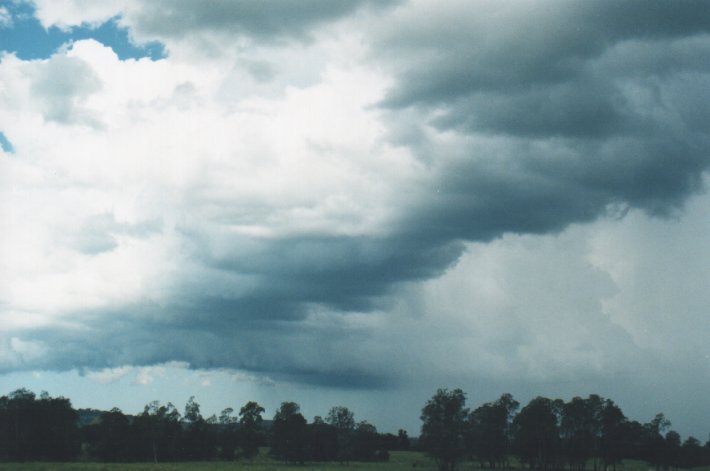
<point x="580" y="429"/>
<point x="536" y="432"/>
<point x="250" y="422"/>
<point x="692" y="454"/>
<point x="489" y="435"/>
<point x="322" y="441"/>
<point x="198" y="442"/>
<point x="671" y="450"/>
<point x="39" y="430"/>
<point x="288" y="441"/>
<point x="365" y="442"/>
<point x="612" y="441"/>
<point x="227" y="439"/>
<point x="653" y="443"/>
<point x="158" y="432"/>
<point x="113" y="437"/>
<point x="444" y="427"/>
<point x="403" y="442"/>
<point x="343" y="421"/>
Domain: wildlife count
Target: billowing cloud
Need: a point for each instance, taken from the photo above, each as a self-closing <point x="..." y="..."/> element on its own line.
<point x="456" y="192"/>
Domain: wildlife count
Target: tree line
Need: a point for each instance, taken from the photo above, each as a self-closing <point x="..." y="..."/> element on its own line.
<point x="547" y="434"/>
<point x="48" y="429"/>
<point x="583" y="433"/>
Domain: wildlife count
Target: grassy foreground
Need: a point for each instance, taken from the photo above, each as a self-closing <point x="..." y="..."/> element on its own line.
<point x="399" y="461"/>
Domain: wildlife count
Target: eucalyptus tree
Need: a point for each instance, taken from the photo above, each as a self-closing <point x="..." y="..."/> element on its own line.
<point x="288" y="433"/>
<point x="537" y="433"/>
<point x="490" y="430"/>
<point x="342" y="420"/>
<point x="444" y="427"/>
<point x="250" y="421"/>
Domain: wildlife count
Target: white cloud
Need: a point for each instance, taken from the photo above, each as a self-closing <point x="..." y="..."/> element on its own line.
<point x="5" y="18"/>
<point x="109" y="375"/>
<point x="17" y="353"/>
<point x="257" y="212"/>
<point x="65" y="14"/>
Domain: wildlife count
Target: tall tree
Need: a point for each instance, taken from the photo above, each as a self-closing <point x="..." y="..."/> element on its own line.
<point x="671" y="450"/>
<point x="536" y="432"/>
<point x="39" y="430"/>
<point x="158" y="432"/>
<point x="653" y="443"/>
<point x="612" y="440"/>
<point x="365" y="442"/>
<point x="198" y="441"/>
<point x="692" y="454"/>
<point x="288" y="439"/>
<point x="113" y="437"/>
<point x="580" y="429"/>
<point x="227" y="439"/>
<point x="403" y="442"/>
<point x="250" y="428"/>
<point x="444" y="424"/>
<point x="322" y="441"/>
<point x="343" y="421"/>
<point x="489" y="436"/>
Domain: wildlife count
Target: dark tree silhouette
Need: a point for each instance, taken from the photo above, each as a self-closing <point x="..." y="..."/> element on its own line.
<point x="580" y="429"/>
<point x="32" y="429"/>
<point x="612" y="440"/>
<point x="198" y="441"/>
<point x="692" y="453"/>
<point x="288" y="434"/>
<point x="250" y="428"/>
<point x="671" y="450"/>
<point x="113" y="437"/>
<point x="536" y="432"/>
<point x="322" y="441"/>
<point x="489" y="435"/>
<point x="403" y="442"/>
<point x="158" y="432"/>
<point x="444" y="427"/>
<point x="365" y="443"/>
<point x="653" y="443"/>
<point x="343" y="421"/>
<point x="227" y="434"/>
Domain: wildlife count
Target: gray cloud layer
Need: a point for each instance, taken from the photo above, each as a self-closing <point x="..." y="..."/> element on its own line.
<point x="529" y="117"/>
<point x="262" y="21"/>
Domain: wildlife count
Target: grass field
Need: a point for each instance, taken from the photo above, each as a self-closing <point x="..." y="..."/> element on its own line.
<point x="399" y="461"/>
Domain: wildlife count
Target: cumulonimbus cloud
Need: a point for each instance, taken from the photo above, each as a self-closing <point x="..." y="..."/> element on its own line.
<point x="253" y="232"/>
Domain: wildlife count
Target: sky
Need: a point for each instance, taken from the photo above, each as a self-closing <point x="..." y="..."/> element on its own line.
<point x="356" y="203"/>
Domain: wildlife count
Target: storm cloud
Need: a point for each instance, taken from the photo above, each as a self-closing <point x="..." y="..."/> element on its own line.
<point x="350" y="194"/>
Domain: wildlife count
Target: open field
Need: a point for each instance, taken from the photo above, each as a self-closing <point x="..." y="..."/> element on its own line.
<point x="399" y="461"/>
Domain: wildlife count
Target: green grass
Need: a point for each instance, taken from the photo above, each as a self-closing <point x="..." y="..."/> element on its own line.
<point x="399" y="461"/>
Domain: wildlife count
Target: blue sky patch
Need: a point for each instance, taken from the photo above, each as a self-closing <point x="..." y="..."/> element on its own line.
<point x="5" y="144"/>
<point x="26" y="37"/>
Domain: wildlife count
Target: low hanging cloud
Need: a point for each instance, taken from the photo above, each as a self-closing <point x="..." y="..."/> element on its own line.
<point x="309" y="233"/>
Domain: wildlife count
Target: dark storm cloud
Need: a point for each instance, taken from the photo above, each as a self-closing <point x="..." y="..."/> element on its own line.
<point x="341" y="271"/>
<point x="151" y="334"/>
<point x="528" y="117"/>
<point x="562" y="109"/>
<point x="251" y="18"/>
<point x="505" y="46"/>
